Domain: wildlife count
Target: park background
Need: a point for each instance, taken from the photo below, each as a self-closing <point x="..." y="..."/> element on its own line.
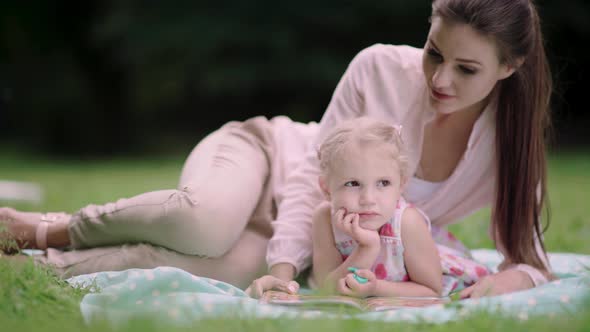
<point x="104" y="99"/>
<point x="87" y="79"/>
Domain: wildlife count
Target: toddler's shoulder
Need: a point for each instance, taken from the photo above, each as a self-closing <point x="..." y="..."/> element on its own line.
<point x="413" y="223"/>
<point x="322" y="211"/>
<point x="412" y="215"/>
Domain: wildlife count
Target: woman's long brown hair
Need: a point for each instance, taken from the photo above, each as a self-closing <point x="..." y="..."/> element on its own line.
<point x="522" y="119"/>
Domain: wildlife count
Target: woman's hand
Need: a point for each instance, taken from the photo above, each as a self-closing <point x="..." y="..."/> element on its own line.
<point x="268" y="282"/>
<point x="349" y="224"/>
<point x="351" y="287"/>
<point x="500" y="283"/>
<point x="280" y="279"/>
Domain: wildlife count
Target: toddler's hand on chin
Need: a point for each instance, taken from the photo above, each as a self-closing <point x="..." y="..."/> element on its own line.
<point x="349" y="224"/>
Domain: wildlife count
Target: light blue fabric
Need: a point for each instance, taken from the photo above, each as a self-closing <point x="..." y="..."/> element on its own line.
<point x="175" y="296"/>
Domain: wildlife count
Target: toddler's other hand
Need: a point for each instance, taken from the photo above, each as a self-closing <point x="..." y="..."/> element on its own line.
<point x="351" y="287"/>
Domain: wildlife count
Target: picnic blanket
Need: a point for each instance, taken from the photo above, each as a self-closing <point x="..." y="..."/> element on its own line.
<point x="174" y="295"/>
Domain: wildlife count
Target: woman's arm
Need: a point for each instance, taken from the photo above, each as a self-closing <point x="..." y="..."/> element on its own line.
<point x="511" y="277"/>
<point x="537" y="276"/>
<point x="291" y="241"/>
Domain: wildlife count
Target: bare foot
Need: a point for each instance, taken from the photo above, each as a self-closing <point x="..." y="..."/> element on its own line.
<point x="18" y="229"/>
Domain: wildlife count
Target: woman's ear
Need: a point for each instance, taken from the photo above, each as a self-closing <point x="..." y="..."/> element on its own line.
<point x="506" y="70"/>
<point x="324" y="186"/>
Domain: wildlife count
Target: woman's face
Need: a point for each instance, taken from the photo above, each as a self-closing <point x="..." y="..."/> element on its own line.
<point x="461" y="66"/>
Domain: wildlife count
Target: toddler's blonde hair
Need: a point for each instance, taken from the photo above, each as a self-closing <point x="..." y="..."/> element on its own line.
<point x="363" y="130"/>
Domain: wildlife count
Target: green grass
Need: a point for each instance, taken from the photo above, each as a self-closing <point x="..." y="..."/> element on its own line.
<point x="569" y="200"/>
<point x="32" y="299"/>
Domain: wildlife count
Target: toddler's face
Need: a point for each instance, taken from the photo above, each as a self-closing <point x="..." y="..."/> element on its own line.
<point x="365" y="180"/>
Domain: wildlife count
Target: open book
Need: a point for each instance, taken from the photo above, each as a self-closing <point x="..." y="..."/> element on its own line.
<point x="314" y="302"/>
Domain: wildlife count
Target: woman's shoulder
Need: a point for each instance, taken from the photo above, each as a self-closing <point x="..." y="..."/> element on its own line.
<point x="380" y="69"/>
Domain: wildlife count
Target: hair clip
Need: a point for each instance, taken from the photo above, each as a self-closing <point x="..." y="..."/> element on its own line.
<point x="398" y="129"/>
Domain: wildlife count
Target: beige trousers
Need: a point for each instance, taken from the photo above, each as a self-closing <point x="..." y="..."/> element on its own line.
<point x="215" y="224"/>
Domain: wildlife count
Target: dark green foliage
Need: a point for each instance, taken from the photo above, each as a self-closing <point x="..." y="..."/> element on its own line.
<point x="103" y="77"/>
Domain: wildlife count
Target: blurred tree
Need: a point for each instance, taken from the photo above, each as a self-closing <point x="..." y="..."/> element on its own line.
<point x="70" y="94"/>
<point x="117" y="76"/>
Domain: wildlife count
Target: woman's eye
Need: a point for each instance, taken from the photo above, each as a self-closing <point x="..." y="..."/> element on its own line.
<point x="435" y="55"/>
<point x="384" y="183"/>
<point x="351" y="184"/>
<point x="467" y="70"/>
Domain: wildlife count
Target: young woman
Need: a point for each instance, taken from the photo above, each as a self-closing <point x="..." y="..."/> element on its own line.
<point x="474" y="105"/>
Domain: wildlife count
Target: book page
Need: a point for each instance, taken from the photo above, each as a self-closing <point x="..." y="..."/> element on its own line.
<point x="328" y="302"/>
<point x="311" y="301"/>
<point x="391" y="303"/>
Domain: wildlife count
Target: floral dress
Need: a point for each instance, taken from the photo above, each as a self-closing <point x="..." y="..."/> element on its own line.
<point x="459" y="269"/>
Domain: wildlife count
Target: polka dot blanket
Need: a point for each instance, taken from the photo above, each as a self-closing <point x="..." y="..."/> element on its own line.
<point x="171" y="294"/>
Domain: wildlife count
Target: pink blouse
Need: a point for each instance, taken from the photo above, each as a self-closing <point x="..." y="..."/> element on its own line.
<point x="386" y="82"/>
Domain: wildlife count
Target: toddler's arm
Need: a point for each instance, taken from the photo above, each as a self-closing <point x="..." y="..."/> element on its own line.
<point x="421" y="259"/>
<point x="328" y="265"/>
<point x="326" y="257"/>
